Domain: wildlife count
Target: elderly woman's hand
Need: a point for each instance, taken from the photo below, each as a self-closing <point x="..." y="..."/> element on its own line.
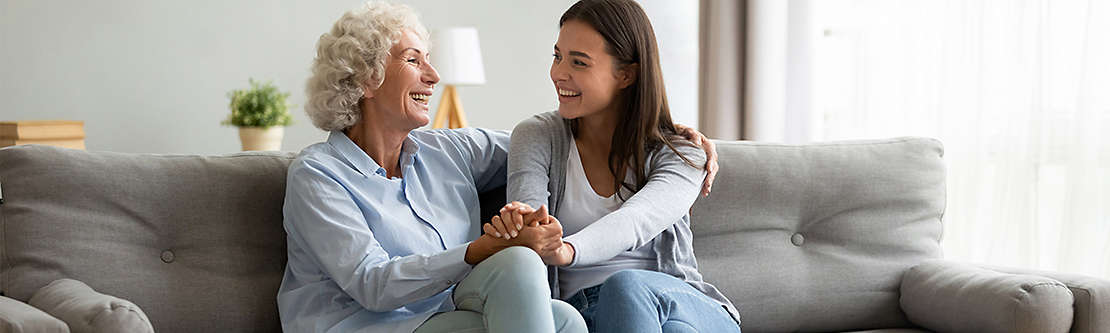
<point x="710" y="155"/>
<point x="540" y="232"/>
<point x="514" y="217"/>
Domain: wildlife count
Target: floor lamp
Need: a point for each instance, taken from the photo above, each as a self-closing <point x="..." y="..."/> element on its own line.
<point x="458" y="59"/>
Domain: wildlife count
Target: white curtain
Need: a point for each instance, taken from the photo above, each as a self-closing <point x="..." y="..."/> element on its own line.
<point x="1018" y="91"/>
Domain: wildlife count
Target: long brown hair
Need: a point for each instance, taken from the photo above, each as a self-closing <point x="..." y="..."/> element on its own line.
<point x="645" y="117"/>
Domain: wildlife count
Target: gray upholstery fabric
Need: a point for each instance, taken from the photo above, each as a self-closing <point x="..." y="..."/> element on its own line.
<point x="87" y="311"/>
<point x="892" y="330"/>
<point x="18" y="317"/>
<point x="809" y="238"/>
<point x="952" y="297"/>
<point x="1092" y="298"/>
<point x="196" y="241"/>
<point x="816" y="237"/>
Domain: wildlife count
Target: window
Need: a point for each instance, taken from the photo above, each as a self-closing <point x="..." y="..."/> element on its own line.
<point x="1018" y="91"/>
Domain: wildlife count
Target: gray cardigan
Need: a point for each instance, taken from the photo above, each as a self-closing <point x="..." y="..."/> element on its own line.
<point x="659" y="211"/>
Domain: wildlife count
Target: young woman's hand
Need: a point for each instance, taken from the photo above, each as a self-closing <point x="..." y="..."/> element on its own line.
<point x="543" y="235"/>
<point x="561" y="256"/>
<point x="545" y="238"/>
<point x="710" y="155"/>
<point x="514" y="217"/>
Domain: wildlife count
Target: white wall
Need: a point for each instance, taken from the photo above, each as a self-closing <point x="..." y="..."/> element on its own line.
<point x="152" y="76"/>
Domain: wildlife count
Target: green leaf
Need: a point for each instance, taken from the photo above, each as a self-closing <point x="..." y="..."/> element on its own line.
<point x="263" y="105"/>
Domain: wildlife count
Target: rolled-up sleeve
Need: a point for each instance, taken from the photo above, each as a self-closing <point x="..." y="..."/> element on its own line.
<point x="324" y="219"/>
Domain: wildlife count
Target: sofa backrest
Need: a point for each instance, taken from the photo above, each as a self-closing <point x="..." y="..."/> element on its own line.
<point x="800" y="238"/>
<point x="195" y="241"/>
<point x="815" y="238"/>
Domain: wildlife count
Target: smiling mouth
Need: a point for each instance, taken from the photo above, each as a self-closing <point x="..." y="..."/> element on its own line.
<point x="420" y="98"/>
<point x="568" y="93"/>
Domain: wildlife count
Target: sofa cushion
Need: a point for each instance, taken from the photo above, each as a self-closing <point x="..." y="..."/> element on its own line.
<point x="816" y="237"/>
<point x="953" y="297"/>
<point x="86" y="311"/>
<point x="196" y="241"/>
<point x="19" y="317"/>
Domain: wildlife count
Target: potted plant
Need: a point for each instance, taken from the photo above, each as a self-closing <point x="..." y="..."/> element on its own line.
<point x="261" y="113"/>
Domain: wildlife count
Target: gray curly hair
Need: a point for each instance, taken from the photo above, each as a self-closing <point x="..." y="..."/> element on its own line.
<point x="351" y="55"/>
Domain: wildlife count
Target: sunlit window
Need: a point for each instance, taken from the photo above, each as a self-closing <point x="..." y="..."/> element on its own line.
<point x="1018" y="91"/>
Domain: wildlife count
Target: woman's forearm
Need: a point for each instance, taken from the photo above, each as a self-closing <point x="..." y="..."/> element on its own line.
<point x="483" y="247"/>
<point x="671" y="189"/>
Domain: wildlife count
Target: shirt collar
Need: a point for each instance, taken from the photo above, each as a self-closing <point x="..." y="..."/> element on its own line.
<point x="362" y="162"/>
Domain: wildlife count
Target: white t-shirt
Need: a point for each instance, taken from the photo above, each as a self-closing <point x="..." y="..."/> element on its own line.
<point x="580" y="207"/>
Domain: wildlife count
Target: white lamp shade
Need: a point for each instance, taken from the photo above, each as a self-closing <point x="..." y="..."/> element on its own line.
<point x="457" y="56"/>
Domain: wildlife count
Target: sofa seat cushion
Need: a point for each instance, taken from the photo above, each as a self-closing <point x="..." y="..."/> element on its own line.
<point x="816" y="237"/>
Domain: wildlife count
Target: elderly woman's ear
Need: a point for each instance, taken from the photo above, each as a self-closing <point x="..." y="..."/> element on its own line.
<point x="367" y="91"/>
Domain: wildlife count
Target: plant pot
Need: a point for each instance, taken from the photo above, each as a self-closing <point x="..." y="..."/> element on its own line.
<point x="261" y="138"/>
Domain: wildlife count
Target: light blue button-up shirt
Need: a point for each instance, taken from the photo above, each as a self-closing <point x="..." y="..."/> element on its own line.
<point x="373" y="254"/>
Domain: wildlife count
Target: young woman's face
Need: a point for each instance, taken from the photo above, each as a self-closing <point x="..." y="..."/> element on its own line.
<point x="585" y="77"/>
<point x="407" y="87"/>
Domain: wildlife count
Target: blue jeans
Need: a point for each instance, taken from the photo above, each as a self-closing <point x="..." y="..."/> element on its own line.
<point x="507" y="292"/>
<point x="647" y="301"/>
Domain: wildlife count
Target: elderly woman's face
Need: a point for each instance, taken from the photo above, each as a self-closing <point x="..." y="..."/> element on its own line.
<point x="402" y="99"/>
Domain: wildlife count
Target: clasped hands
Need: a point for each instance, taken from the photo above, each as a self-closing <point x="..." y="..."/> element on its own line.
<point x="520" y="224"/>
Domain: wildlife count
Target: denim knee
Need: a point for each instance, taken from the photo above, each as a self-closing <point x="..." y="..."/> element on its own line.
<point x="567" y="318"/>
<point x="521" y="263"/>
<point x="625" y="282"/>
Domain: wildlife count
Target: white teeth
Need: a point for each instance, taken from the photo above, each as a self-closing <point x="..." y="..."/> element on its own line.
<point x="420" y="97"/>
<point x="568" y="93"/>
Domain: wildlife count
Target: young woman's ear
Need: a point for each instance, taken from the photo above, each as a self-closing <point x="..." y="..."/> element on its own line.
<point x="628" y="74"/>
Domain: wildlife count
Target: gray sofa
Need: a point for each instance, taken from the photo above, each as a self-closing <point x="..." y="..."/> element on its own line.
<point x="829" y="237"/>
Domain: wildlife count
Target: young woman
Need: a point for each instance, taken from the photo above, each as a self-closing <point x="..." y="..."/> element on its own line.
<point x="616" y="174"/>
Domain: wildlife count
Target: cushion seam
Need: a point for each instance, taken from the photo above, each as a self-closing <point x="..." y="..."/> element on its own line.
<point x="112" y="307"/>
<point x="1026" y="292"/>
<point x="134" y="309"/>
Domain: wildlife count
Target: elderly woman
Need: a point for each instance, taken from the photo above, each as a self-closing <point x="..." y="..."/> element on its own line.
<point x="382" y="219"/>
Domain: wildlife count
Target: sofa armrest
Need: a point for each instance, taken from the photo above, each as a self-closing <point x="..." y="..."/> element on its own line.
<point x="85" y="310"/>
<point x="18" y="317"/>
<point x="1092" y="297"/>
<point x="945" y="296"/>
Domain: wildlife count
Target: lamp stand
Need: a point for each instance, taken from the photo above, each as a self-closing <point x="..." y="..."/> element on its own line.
<point x="450" y="111"/>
